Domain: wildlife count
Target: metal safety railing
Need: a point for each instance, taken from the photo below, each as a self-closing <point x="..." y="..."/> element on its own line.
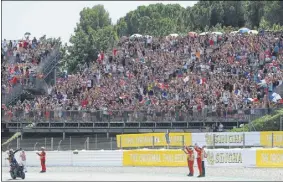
<point x="45" y="68"/>
<point x="60" y="144"/>
<point x="56" y="116"/>
<point x="210" y="140"/>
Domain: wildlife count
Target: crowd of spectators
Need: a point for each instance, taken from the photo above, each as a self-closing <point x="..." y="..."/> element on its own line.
<point x="169" y="76"/>
<point x="20" y="60"/>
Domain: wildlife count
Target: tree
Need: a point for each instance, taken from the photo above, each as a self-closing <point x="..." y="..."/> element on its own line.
<point x="273" y="11"/>
<point x="254" y="12"/>
<point x="93" y="33"/>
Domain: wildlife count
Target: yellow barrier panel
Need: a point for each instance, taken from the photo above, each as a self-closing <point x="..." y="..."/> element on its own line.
<point x="269" y="158"/>
<point x="164" y="158"/>
<point x="266" y="138"/>
<point x="153" y="139"/>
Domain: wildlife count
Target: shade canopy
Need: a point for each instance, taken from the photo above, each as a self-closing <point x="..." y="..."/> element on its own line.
<point x="203" y="33"/>
<point x="174" y="35"/>
<point x="244" y="30"/>
<point x="217" y="33"/>
<point x="253" y="32"/>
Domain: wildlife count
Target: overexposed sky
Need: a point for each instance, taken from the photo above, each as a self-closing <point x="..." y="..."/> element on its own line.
<point x="58" y="19"/>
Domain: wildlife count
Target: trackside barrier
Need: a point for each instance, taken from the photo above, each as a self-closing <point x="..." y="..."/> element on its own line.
<point x="97" y="158"/>
<point x="254" y="157"/>
<point x="217" y="139"/>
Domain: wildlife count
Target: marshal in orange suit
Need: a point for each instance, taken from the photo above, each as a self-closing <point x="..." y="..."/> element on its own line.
<point x="42" y="156"/>
<point x="190" y="159"/>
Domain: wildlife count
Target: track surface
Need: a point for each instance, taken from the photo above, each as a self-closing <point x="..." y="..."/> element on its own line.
<point x="146" y="174"/>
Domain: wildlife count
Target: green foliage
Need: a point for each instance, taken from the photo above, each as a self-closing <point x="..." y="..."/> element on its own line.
<point x="265" y="123"/>
<point x="94" y="32"/>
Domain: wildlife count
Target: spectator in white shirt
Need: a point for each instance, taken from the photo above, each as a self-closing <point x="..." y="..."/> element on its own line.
<point x="23" y="159"/>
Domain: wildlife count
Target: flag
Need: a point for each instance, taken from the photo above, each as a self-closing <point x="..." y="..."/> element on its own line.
<point x="237" y="92"/>
<point x="251" y="99"/>
<point x="201" y="81"/>
<point x="186" y="79"/>
<point x="162" y="86"/>
<point x="262" y="83"/>
<point x="164" y="94"/>
<point x="275" y="97"/>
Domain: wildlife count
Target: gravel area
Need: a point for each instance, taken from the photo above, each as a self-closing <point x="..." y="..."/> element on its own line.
<point x="212" y="173"/>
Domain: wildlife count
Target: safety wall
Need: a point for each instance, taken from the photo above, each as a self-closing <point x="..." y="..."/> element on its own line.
<point x="257" y="157"/>
<point x="263" y="139"/>
<point x="67" y="158"/>
<point x="215" y="157"/>
<point x="177" y="158"/>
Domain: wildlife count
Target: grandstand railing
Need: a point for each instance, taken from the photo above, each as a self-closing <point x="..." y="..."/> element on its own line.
<point x="82" y="116"/>
<point x="45" y="68"/>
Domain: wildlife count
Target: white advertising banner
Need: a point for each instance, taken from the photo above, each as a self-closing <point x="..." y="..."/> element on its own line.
<point x="227" y="157"/>
<point x="227" y="139"/>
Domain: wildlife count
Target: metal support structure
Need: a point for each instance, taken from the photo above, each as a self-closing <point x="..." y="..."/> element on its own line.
<point x="18" y="143"/>
<point x="59" y="145"/>
<point x="35" y="146"/>
<point x="153" y="142"/>
<point x="95" y="141"/>
<point x="272" y="140"/>
<point x="70" y="143"/>
<point x="51" y="147"/>
<point x="86" y="143"/>
<point x="183" y="140"/>
<point x="64" y="135"/>
<point x="111" y="147"/>
<point x="120" y="142"/>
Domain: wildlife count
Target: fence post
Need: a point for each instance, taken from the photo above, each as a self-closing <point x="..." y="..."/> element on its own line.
<point x="244" y="140"/>
<point x="213" y="143"/>
<point x="120" y="142"/>
<point x="96" y="141"/>
<point x="70" y="143"/>
<point x="183" y="140"/>
<point x="34" y="146"/>
<point x="153" y="142"/>
<point x="18" y="142"/>
<point x="111" y="143"/>
<point x="272" y="140"/>
<point x="87" y="143"/>
<point x="51" y="143"/>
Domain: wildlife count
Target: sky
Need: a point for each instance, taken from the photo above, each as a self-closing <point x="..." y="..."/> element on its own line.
<point x="58" y="19"/>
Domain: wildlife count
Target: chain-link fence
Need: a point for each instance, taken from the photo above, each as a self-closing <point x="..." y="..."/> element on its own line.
<point x="61" y="144"/>
<point x="96" y="142"/>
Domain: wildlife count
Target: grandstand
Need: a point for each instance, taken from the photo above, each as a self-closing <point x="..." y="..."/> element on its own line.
<point x="181" y="84"/>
